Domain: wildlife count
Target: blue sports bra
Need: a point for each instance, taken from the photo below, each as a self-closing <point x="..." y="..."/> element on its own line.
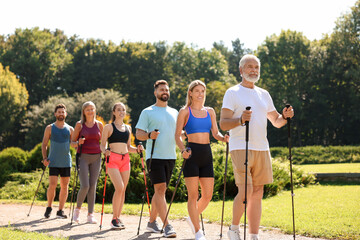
<point x="198" y="125"/>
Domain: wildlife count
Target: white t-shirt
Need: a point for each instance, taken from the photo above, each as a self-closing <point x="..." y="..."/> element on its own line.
<point x="237" y="98"/>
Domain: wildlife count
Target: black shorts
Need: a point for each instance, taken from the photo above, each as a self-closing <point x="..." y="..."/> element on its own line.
<point x="200" y="164"/>
<point x="64" y="172"/>
<point x="161" y="170"/>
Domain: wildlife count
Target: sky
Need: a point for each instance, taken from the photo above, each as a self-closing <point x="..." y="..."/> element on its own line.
<point x="199" y="23"/>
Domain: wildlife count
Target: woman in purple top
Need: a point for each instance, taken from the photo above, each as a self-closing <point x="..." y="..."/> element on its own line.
<point x="197" y="121"/>
<point x="88" y="134"/>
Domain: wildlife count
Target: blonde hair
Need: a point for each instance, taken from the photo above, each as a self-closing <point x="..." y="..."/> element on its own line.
<point x="192" y="85"/>
<point x="113" y="109"/>
<point x="85" y="105"/>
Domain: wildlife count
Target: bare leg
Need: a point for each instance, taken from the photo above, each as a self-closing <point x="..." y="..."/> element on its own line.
<point x="64" y="190"/>
<point x="158" y="203"/>
<point x="117" y="180"/>
<point x="192" y="185"/>
<point x="238" y="204"/>
<point x="125" y="177"/>
<point x="254" y="209"/>
<point x="51" y="191"/>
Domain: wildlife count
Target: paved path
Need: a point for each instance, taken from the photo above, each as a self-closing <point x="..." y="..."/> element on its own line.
<point x="16" y="216"/>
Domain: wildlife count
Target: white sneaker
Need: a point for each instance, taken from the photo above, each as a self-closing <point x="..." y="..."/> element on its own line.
<point x="76" y="215"/>
<point x="188" y="220"/>
<point x="254" y="237"/>
<point x="234" y="234"/>
<point x="200" y="235"/>
<point x="91" y="219"/>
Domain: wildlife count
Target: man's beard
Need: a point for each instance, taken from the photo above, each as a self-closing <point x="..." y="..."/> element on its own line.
<point x="60" y="118"/>
<point x="164" y="97"/>
<point x="251" y="79"/>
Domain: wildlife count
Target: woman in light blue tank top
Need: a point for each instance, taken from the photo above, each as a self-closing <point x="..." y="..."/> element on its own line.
<point x="198" y="122"/>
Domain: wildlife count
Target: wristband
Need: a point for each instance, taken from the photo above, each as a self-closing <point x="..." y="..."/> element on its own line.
<point x="149" y="135"/>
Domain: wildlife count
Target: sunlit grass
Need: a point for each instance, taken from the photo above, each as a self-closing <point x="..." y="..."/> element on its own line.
<point x="329" y="211"/>
<point x="331" y="168"/>
<point x="9" y="233"/>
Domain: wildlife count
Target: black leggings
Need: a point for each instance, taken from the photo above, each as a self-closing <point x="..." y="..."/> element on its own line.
<point x="200" y="164"/>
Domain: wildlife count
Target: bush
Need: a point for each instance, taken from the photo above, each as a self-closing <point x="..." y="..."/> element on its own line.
<point x="318" y="154"/>
<point x="24" y="184"/>
<point x="11" y="160"/>
<point x="34" y="160"/>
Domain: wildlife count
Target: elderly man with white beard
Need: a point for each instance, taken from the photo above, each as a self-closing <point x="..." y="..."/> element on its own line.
<point x="233" y="117"/>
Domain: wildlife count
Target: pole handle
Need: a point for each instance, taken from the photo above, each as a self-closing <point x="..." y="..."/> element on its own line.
<point x="247" y="108"/>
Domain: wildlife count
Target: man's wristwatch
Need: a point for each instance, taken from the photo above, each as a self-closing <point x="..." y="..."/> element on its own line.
<point x="240" y="121"/>
<point x="149" y="135"/>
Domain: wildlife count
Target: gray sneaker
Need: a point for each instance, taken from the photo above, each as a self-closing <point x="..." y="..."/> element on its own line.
<point x="169" y="232"/>
<point x="153" y="227"/>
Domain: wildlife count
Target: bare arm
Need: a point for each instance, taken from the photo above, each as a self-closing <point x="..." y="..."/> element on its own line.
<point x="214" y="128"/>
<point x="104" y="137"/>
<point x="75" y="136"/>
<point x="279" y="120"/>
<point x="143" y="135"/>
<point x="44" y="145"/>
<point x="180" y="122"/>
<point x="131" y="148"/>
<point x="227" y="121"/>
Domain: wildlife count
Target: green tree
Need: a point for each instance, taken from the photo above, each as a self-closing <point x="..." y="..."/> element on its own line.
<point x="43" y="114"/>
<point x="13" y="101"/>
<point x="38" y="58"/>
<point x="284" y="73"/>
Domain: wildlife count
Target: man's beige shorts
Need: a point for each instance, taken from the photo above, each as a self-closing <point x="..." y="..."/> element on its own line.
<point x="259" y="167"/>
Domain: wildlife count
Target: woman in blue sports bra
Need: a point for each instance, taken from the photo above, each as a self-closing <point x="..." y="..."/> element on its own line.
<point x="197" y="121"/>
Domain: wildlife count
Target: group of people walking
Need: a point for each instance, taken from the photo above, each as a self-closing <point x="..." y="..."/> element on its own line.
<point x="163" y="127"/>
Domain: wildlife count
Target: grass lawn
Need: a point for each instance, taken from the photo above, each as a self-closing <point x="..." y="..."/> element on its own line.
<point x="331" y="168"/>
<point x="11" y="234"/>
<point x="328" y="211"/>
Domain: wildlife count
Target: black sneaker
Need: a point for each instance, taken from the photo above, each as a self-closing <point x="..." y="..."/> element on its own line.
<point x="115" y="224"/>
<point x="60" y="214"/>
<point x="47" y="212"/>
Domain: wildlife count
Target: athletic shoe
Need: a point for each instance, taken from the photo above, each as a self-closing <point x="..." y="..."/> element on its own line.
<point x="153" y="227"/>
<point x="234" y="234"/>
<point x="200" y="235"/>
<point x="60" y="214"/>
<point x="121" y="224"/>
<point x="91" y="219"/>
<point x="252" y="237"/>
<point x="115" y="224"/>
<point x="169" y="232"/>
<point x="76" y="215"/>
<point x="188" y="220"/>
<point x="47" y="212"/>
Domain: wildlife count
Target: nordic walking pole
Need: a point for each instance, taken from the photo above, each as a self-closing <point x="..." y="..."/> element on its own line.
<point x="225" y="174"/>
<point x="291" y="175"/>
<point x="44" y="168"/>
<point x="146" y="192"/>
<point x="152" y="151"/>
<point x="102" y="209"/>
<point x="77" y="169"/>
<point x="176" y="185"/>
<point x="246" y="167"/>
<point x="202" y="223"/>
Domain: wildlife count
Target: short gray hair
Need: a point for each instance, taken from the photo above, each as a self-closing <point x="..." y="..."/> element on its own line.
<point x="247" y="57"/>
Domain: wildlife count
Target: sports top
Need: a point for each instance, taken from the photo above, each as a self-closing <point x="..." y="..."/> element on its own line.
<point x="118" y="136"/>
<point x="92" y="139"/>
<point x="59" y="154"/>
<point x="198" y="125"/>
